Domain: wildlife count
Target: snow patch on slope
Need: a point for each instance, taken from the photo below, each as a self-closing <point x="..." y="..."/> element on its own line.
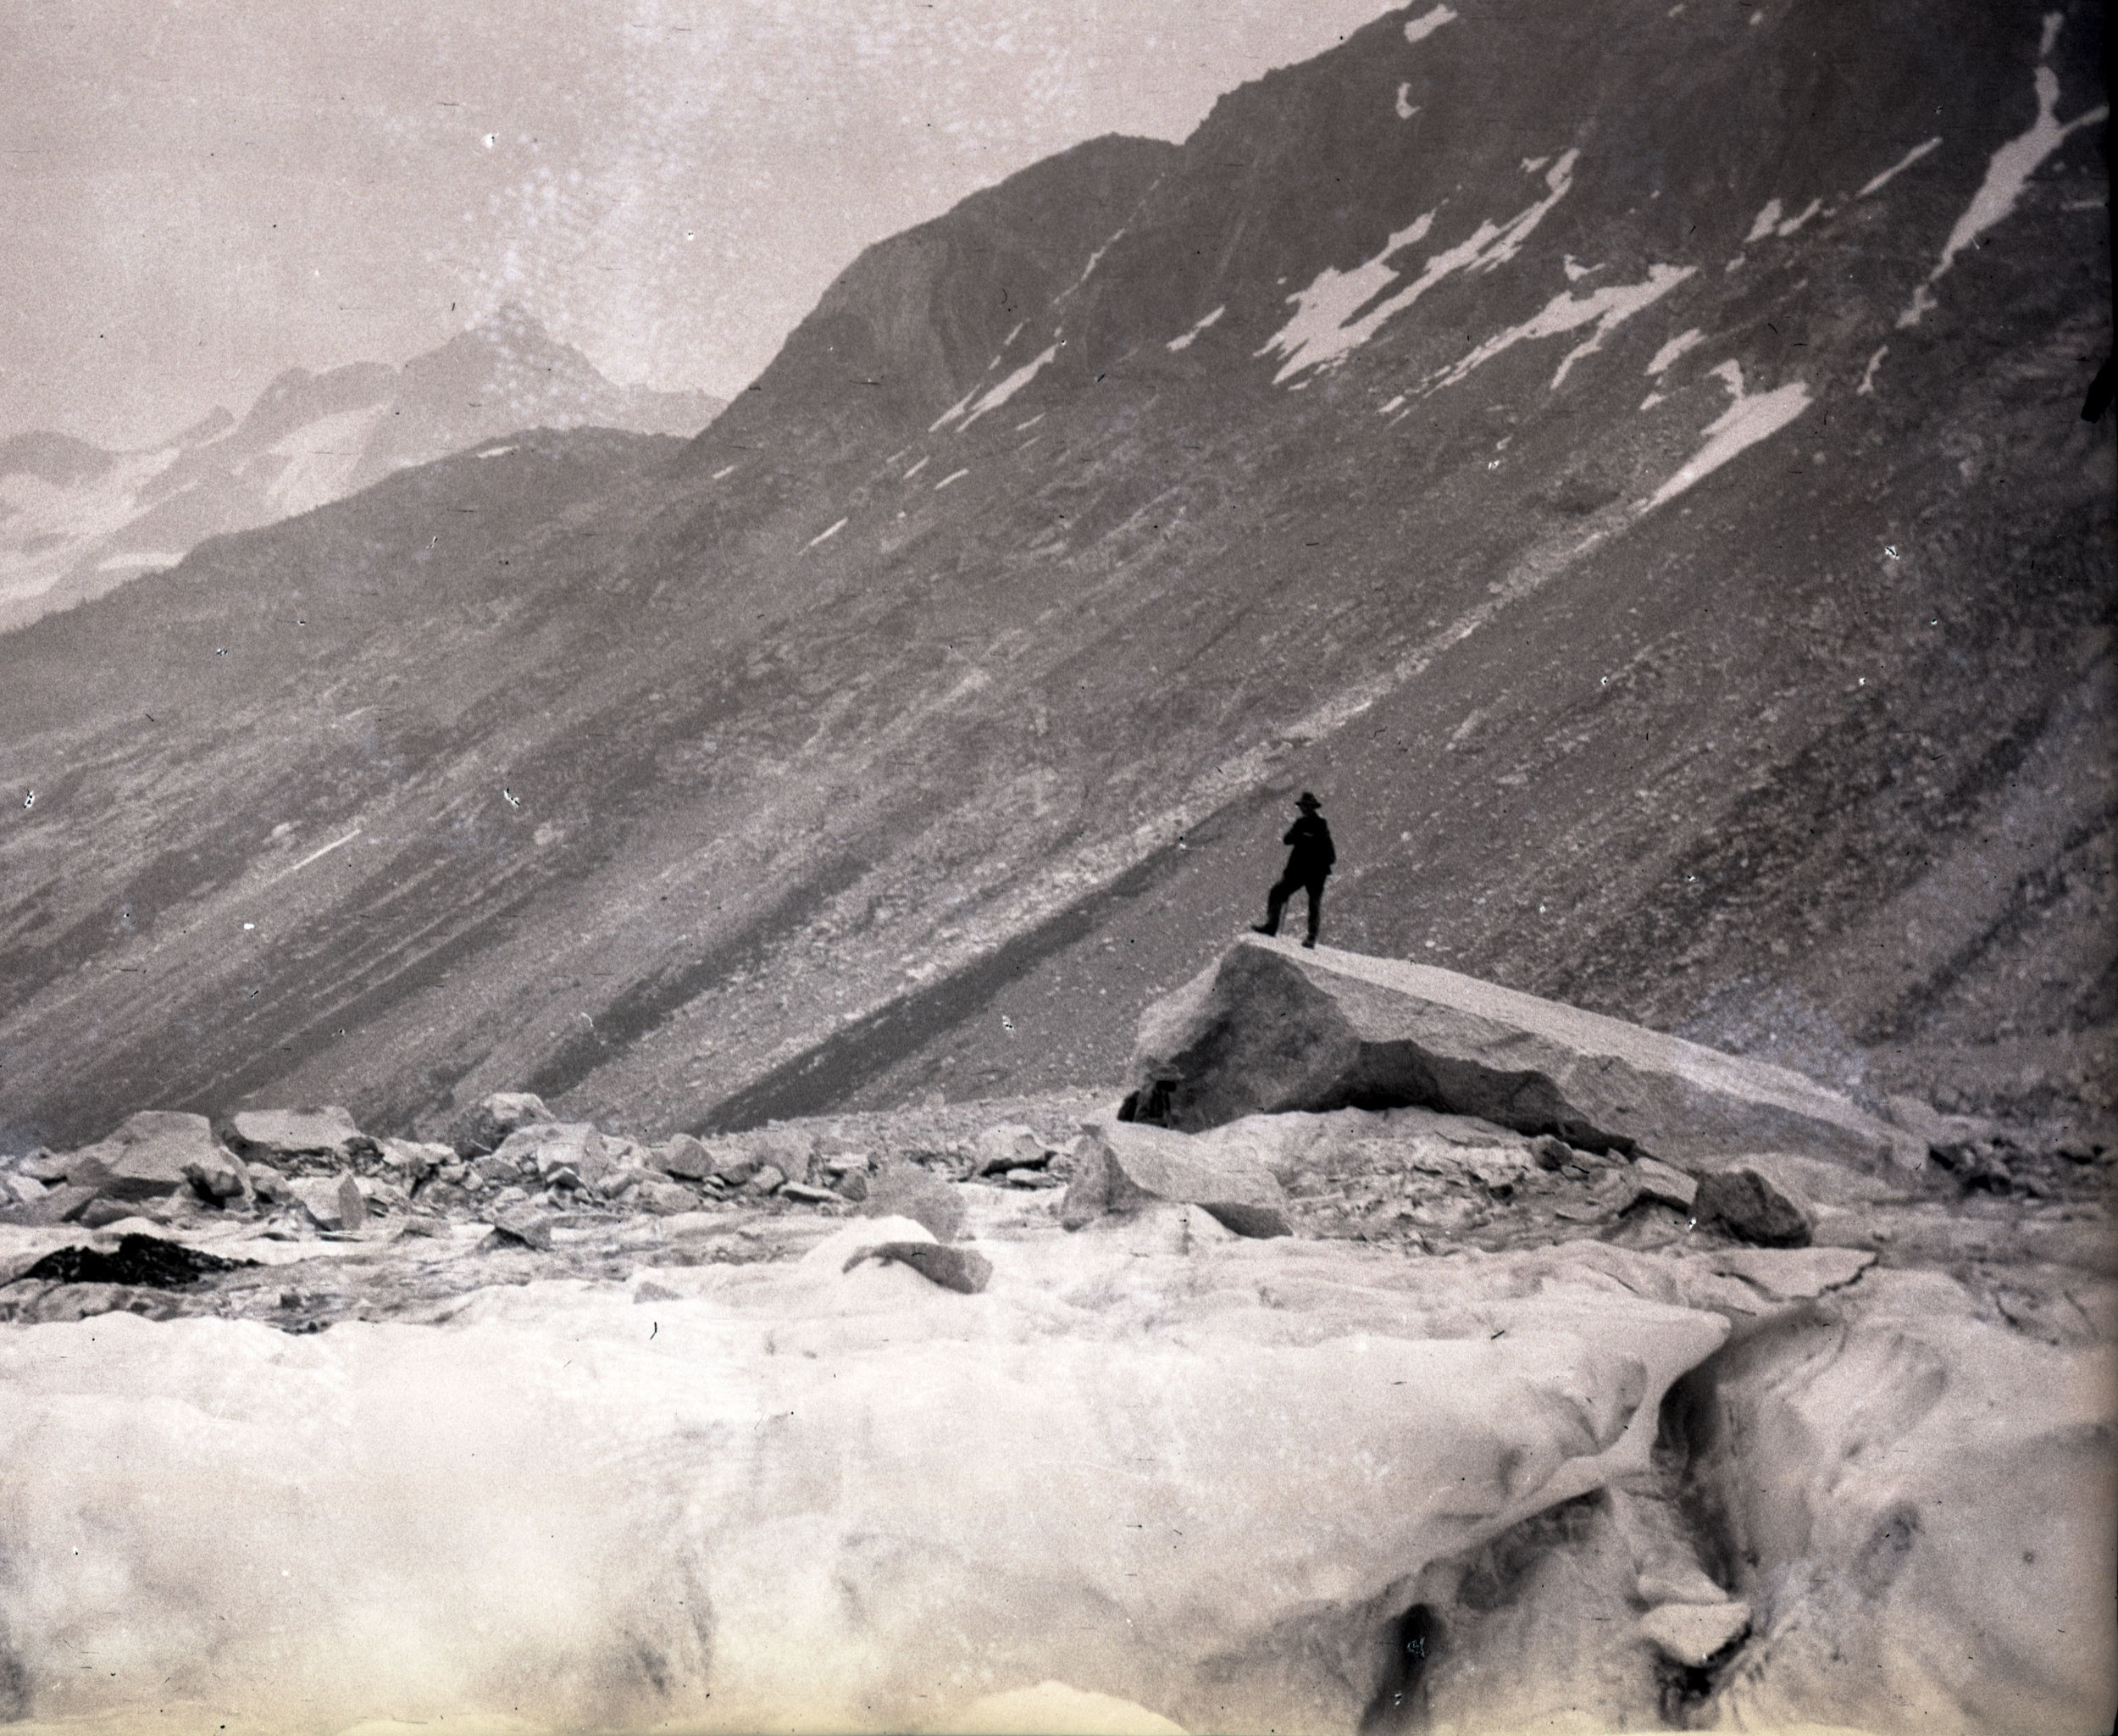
<point x="321" y="458"/>
<point x="1189" y="338"/>
<point x="1606" y="309"/>
<point x="1749" y="419"/>
<point x="1417" y="30"/>
<point x="1898" y="168"/>
<point x="1325" y="328"/>
<point x="2007" y="173"/>
<point x="1771" y="222"/>
<point x="1014" y="383"/>
<point x="1407" y="109"/>
<point x="1666" y="357"/>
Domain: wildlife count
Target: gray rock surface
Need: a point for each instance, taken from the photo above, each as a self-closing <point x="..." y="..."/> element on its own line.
<point x="1745" y="1205"/>
<point x="146" y="1158"/>
<point x="325" y="1136"/>
<point x="1121" y="1167"/>
<point x="331" y="1202"/>
<point x="1010" y="1145"/>
<point x="684" y="1157"/>
<point x="1273" y="1027"/>
<point x="953" y="1268"/>
<point x="907" y="1190"/>
<point x="482" y="1129"/>
<point x="1658" y="1184"/>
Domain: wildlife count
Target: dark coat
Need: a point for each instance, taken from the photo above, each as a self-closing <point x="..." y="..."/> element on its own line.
<point x="1311" y="857"/>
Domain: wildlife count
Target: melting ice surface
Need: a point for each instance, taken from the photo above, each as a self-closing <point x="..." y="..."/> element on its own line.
<point x="1329" y="320"/>
<point x="2007" y="174"/>
<point x="1606" y="309"/>
<point x="1749" y="419"/>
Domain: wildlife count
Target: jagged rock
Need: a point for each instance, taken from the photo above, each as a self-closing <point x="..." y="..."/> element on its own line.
<point x="528" y="1229"/>
<point x="907" y="1190"/>
<point x="1657" y="1184"/>
<point x="301" y="1138"/>
<point x="541" y="1150"/>
<point x="684" y="1157"/>
<point x="811" y="1197"/>
<point x="482" y="1129"/>
<point x="766" y="1179"/>
<point x="1123" y="1167"/>
<point x="1746" y="1205"/>
<point x="21" y="1190"/>
<point x="1010" y="1145"/>
<point x="852" y="1185"/>
<point x="1937" y="1132"/>
<point x="219" y="1177"/>
<point x="145" y="1159"/>
<point x="1691" y="1633"/>
<point x="415" y="1160"/>
<point x="665" y="1199"/>
<point x="267" y="1184"/>
<point x="953" y="1269"/>
<point x="101" y="1211"/>
<point x="330" y="1202"/>
<point x="734" y="1164"/>
<point x="1034" y="1178"/>
<point x="1551" y="1155"/>
<point x="1273" y="1027"/>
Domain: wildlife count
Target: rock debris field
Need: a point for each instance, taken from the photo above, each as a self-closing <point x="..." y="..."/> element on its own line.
<point x="1391" y="1352"/>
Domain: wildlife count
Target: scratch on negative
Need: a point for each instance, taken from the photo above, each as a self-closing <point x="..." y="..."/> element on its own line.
<point x="313" y="856"/>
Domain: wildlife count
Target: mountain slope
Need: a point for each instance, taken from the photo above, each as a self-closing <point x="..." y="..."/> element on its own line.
<point x="76" y="521"/>
<point x="1613" y="456"/>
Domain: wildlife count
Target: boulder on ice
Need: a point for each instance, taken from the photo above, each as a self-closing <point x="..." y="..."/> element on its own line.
<point x="1273" y="1027"/>
<point x="325" y="1138"/>
<point x="1122" y="1167"/>
<point x="149" y="1156"/>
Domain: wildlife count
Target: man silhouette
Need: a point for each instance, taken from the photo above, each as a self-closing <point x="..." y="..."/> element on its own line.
<point x="1308" y="866"/>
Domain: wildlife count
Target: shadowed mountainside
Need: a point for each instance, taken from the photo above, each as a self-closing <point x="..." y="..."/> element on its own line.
<point x="1629" y="465"/>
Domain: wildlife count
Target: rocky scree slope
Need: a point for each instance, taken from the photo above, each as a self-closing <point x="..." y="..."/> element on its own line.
<point x="76" y="521"/>
<point x="1628" y="461"/>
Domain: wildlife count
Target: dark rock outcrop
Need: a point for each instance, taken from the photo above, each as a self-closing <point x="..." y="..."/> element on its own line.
<point x="1273" y="1027"/>
<point x="1745" y="1205"/>
<point x="953" y="1269"/>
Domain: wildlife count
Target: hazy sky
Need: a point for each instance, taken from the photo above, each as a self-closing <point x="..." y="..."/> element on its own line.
<point x="197" y="194"/>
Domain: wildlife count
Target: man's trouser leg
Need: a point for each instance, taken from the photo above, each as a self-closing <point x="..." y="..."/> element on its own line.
<point x="1316" y="907"/>
<point x="1283" y="889"/>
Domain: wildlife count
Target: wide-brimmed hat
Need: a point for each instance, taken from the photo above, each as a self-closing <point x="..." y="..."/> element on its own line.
<point x="1305" y="800"/>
